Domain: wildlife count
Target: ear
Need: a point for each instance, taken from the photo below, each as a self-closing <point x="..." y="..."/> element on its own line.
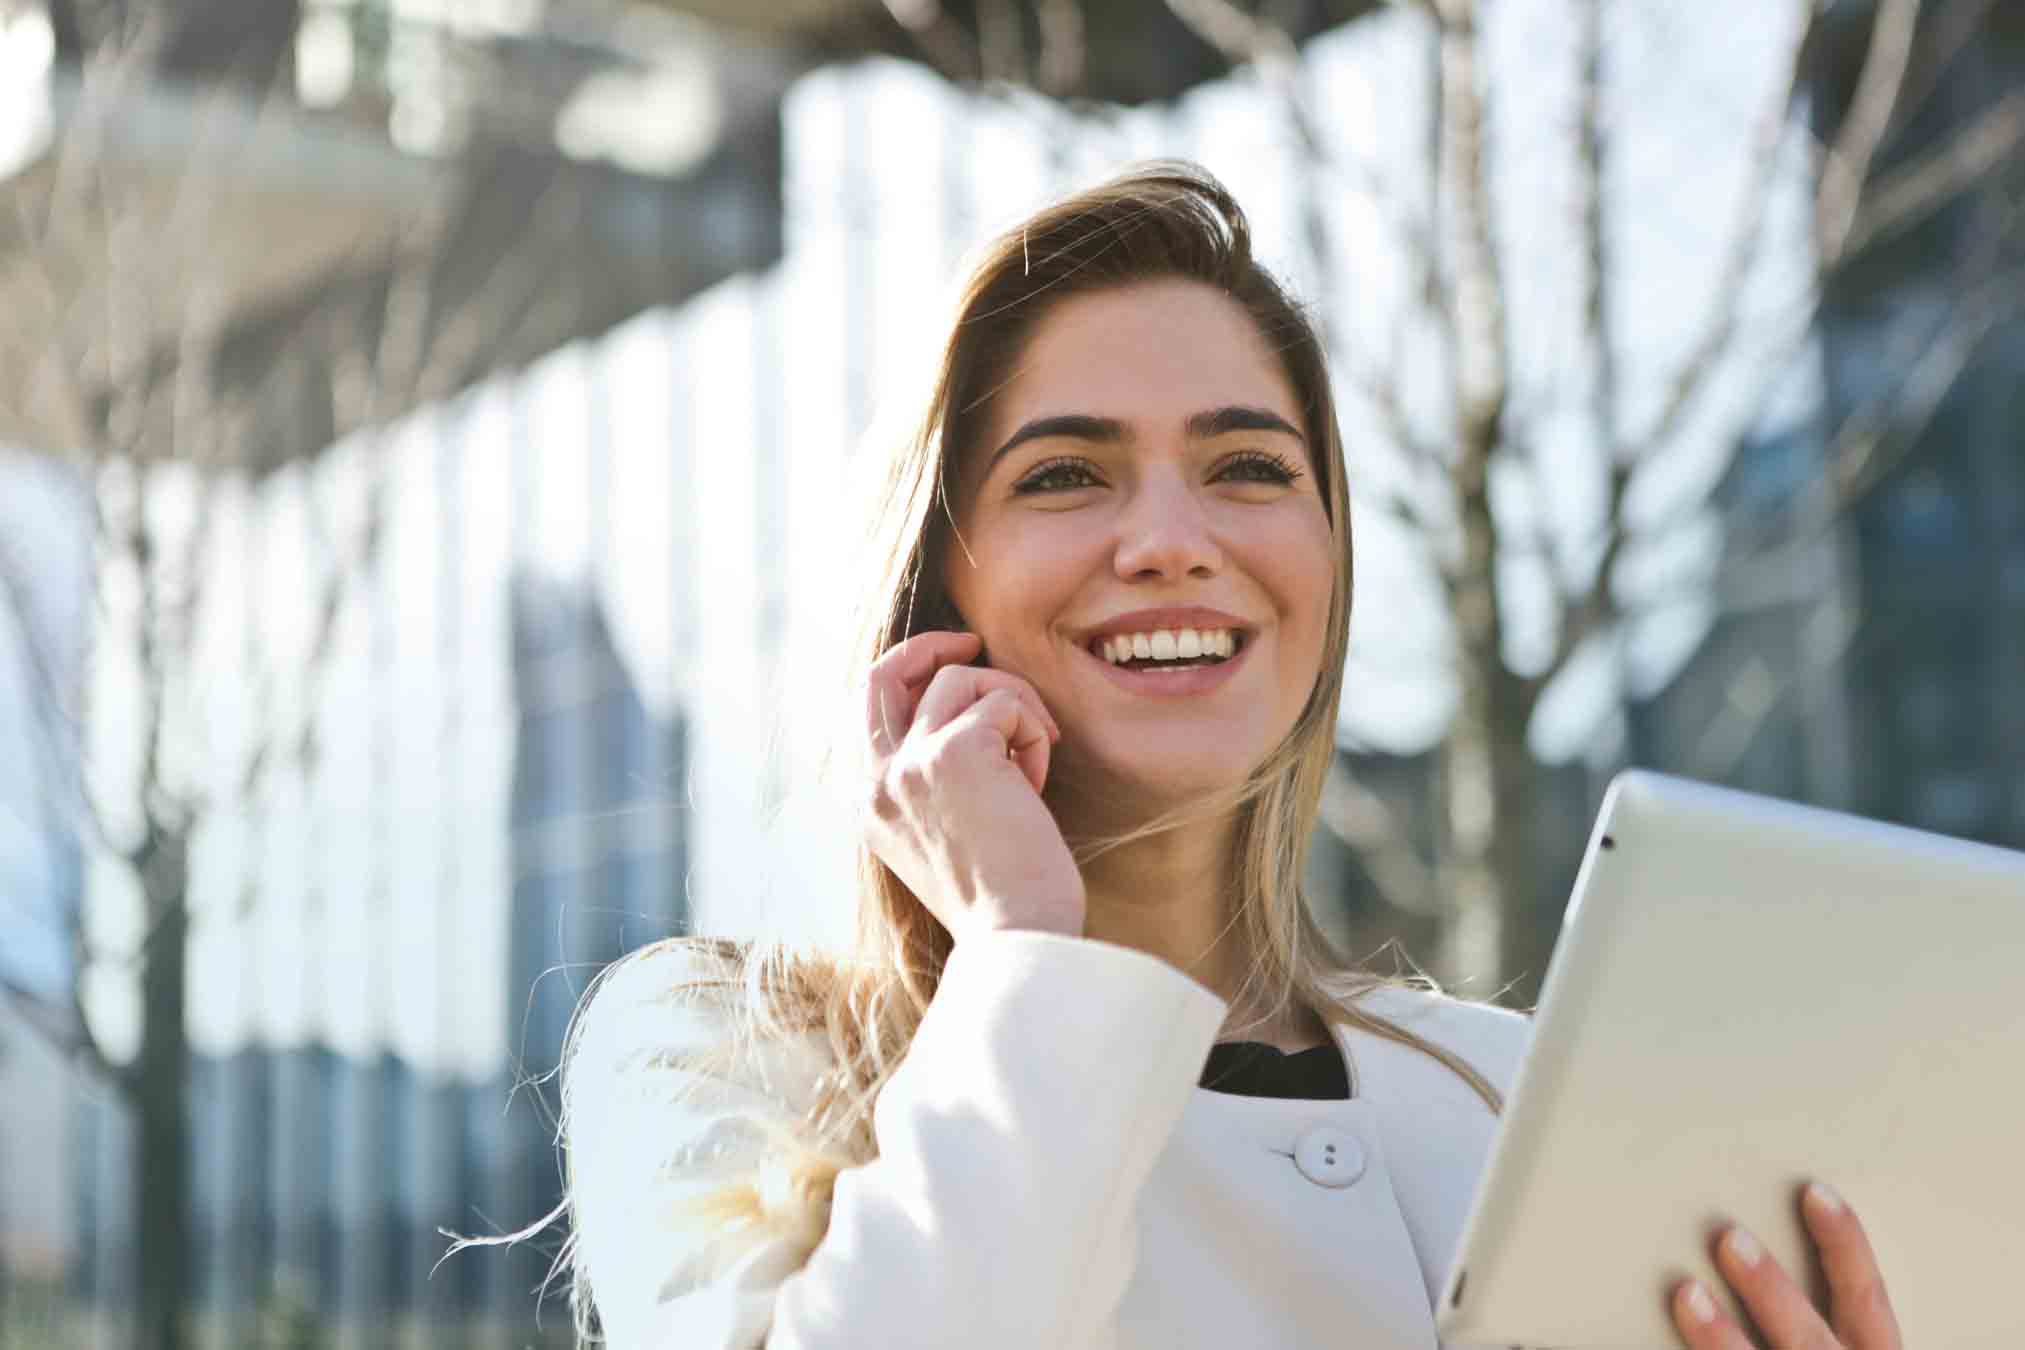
<point x="938" y="616"/>
<point x="943" y="615"/>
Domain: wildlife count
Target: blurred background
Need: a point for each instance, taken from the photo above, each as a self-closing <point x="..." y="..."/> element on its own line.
<point x="424" y="426"/>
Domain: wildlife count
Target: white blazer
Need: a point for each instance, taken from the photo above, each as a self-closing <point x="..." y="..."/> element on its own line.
<point x="1049" y="1172"/>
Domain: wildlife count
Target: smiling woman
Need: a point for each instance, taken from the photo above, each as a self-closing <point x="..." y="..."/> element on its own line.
<point x="1151" y="484"/>
<point x="1101" y="659"/>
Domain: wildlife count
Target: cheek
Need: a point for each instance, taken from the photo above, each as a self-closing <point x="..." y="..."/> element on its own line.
<point x="1019" y="576"/>
<point x="1297" y="563"/>
<point x="1305" y="584"/>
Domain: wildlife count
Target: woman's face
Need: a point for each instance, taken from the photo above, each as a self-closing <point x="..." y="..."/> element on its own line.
<point x="1143" y="539"/>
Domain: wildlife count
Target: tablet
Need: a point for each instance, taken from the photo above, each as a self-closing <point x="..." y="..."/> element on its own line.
<point x="1747" y="994"/>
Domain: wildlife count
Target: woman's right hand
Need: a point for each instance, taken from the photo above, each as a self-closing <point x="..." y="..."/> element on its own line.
<point x="959" y="755"/>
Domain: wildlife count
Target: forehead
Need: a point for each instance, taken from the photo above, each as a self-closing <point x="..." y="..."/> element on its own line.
<point x="1147" y="354"/>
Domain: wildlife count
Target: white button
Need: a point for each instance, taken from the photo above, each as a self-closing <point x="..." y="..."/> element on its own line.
<point x="1329" y="1157"/>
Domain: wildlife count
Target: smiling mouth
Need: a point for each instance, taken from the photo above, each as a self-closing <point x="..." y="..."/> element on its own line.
<point x="1170" y="648"/>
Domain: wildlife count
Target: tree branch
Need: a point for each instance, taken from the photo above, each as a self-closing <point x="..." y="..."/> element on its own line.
<point x="1379" y="390"/>
<point x="1482" y="367"/>
<point x="1946" y="33"/>
<point x="1362" y="820"/>
<point x="488" y="321"/>
<point x="1855" y="462"/>
<point x="56" y="709"/>
<point x="1596" y="609"/>
<point x="300" y="745"/>
<point x="1060" y="67"/>
<point x="75" y="1041"/>
<point x="1754" y="693"/>
<point x="1484" y="363"/>
<point x="56" y="719"/>
<point x="1241" y="37"/>
<point x="1401" y="510"/>
<point x="1870" y="444"/>
<point x="940" y="38"/>
<point x="1245" y="40"/>
<point x="1845" y="166"/>
<point x="1915" y="191"/>
<point x="1591" y="156"/>
<point x="1720" y="325"/>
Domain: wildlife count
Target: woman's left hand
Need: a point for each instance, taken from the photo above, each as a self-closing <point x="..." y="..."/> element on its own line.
<point x="1859" y="1315"/>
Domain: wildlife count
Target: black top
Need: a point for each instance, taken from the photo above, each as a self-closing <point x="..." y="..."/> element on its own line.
<point x="1255" y="1069"/>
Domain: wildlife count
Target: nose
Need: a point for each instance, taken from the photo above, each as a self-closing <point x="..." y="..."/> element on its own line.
<point x="1165" y="534"/>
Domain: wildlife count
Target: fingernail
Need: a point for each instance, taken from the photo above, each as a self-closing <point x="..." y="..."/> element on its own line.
<point x="1700" y="1306"/>
<point x="1744" y="1248"/>
<point x="1824" y="1197"/>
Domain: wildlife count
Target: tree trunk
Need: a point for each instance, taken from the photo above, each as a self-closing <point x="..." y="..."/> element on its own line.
<point x="160" y="1078"/>
<point x="1471" y="882"/>
<point x="1483" y="760"/>
<point x="1530" y="917"/>
<point x="1493" y="933"/>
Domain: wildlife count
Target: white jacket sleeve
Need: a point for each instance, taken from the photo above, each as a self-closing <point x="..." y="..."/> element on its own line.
<point x="1045" y="1079"/>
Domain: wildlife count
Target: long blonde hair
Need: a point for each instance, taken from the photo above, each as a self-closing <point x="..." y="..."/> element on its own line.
<point x="1158" y="222"/>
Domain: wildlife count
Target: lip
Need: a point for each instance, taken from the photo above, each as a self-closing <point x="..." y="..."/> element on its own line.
<point x="1190" y="681"/>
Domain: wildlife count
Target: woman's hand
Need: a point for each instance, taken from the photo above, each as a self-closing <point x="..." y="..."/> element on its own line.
<point x="1859" y="1313"/>
<point x="959" y="755"/>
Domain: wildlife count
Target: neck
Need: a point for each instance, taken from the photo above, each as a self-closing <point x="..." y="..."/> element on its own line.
<point x="1169" y="895"/>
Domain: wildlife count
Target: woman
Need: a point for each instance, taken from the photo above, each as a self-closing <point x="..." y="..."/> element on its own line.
<point x="1126" y="1093"/>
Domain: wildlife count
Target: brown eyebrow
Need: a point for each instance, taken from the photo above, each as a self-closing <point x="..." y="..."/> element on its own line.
<point x="1108" y="430"/>
<point x="1204" y="425"/>
<point x="1074" y="426"/>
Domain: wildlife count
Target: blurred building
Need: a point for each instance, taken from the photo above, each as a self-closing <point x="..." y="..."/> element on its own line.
<point x="1937" y="534"/>
<point x="1877" y="671"/>
<point x="41" y="866"/>
<point x="612" y="544"/>
<point x="599" y="869"/>
<point x="37" y="1223"/>
<point x="322" y="1179"/>
<point x="560" y="177"/>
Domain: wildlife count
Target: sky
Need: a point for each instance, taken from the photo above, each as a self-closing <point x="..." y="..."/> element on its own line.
<point x="41" y="520"/>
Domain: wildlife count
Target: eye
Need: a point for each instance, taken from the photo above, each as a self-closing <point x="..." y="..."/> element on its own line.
<point x="1057" y="475"/>
<point x="1258" y="466"/>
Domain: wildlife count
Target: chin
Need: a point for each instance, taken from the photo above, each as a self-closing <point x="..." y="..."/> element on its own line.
<point x="1162" y="780"/>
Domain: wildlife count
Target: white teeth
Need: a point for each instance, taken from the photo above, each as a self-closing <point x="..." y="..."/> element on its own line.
<point x="1169" y="644"/>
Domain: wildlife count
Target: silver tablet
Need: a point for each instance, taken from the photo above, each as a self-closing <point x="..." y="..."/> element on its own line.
<point x="1748" y="994"/>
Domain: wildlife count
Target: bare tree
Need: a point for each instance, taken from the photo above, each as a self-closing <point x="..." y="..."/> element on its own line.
<point x="156" y="338"/>
<point x="1488" y="775"/>
<point x="1449" y="227"/>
